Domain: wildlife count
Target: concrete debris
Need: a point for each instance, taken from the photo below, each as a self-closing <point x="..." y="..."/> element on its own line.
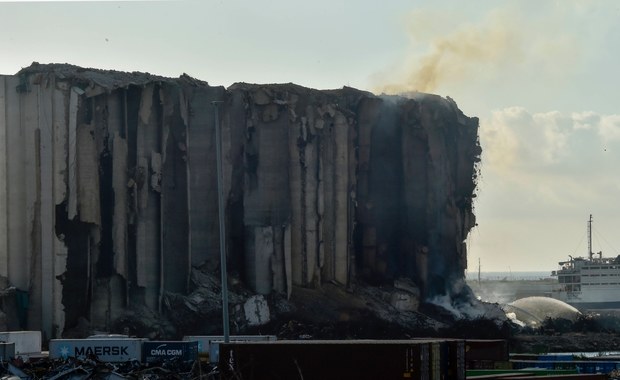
<point x="404" y="301"/>
<point x="92" y="368"/>
<point x="256" y="310"/>
<point x="109" y="196"/>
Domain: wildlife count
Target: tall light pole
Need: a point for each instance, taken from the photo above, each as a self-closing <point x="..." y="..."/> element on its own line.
<point x="222" y="222"/>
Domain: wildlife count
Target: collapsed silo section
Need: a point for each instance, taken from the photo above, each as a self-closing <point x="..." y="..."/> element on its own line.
<point x="292" y="158"/>
<point x="416" y="178"/>
<point x="109" y="195"/>
<point x="96" y="192"/>
<point x="453" y="154"/>
<point x="265" y="186"/>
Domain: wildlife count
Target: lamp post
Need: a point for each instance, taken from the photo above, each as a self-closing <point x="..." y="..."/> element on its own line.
<point x="222" y="225"/>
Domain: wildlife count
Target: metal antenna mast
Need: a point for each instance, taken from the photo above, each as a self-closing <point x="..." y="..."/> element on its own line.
<point x="590" y="254"/>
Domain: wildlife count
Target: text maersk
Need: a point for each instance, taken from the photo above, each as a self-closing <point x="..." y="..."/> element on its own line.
<point x="101" y="350"/>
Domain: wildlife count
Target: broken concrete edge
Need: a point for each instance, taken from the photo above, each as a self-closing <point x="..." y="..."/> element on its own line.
<point x="106" y="80"/>
<point x="114" y="79"/>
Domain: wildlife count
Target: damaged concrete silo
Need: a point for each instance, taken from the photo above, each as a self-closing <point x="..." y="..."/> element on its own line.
<point x="109" y="194"/>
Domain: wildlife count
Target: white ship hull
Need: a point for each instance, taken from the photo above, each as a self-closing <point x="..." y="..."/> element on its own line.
<point x="591" y="297"/>
<point x="589" y="282"/>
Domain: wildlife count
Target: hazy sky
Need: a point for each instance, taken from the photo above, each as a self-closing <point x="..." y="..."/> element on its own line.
<point x="542" y="76"/>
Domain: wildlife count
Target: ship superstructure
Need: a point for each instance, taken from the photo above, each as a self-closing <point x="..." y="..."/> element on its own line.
<point x="589" y="282"/>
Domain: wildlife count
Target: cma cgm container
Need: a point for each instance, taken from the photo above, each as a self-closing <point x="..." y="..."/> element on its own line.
<point x="105" y="349"/>
<point x="335" y="359"/>
<point x="168" y="350"/>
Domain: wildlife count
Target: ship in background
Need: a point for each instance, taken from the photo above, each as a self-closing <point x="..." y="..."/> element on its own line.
<point x="589" y="283"/>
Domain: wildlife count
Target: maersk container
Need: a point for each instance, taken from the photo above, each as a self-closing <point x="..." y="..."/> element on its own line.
<point x="106" y="350"/>
<point x="210" y="344"/>
<point x="26" y="342"/>
<point x="157" y="351"/>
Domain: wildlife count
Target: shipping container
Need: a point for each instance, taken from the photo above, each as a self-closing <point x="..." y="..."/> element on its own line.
<point x="26" y="342"/>
<point x="435" y="361"/>
<point x="493" y="350"/>
<point x="521" y="364"/>
<point x="524" y="356"/>
<point x="209" y="345"/>
<point x="313" y="359"/>
<point x="564" y="377"/>
<point x="582" y="366"/>
<point x="503" y="365"/>
<point x="447" y="358"/>
<point x="596" y="367"/>
<point x="505" y="373"/>
<point x="498" y="376"/>
<point x="480" y="364"/>
<point x="456" y="359"/>
<point x="158" y="351"/>
<point x="7" y="351"/>
<point x="107" y="350"/>
<point x="555" y="357"/>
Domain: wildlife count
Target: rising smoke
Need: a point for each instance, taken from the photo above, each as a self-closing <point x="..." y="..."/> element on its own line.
<point x="454" y="56"/>
<point x="502" y="47"/>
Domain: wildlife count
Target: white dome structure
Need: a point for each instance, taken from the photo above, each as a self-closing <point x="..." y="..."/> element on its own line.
<point x="534" y="310"/>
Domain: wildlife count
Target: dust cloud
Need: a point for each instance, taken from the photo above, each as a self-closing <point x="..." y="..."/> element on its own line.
<point x="456" y="55"/>
<point x="503" y="43"/>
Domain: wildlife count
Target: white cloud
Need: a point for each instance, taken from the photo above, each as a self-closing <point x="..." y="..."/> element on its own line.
<point x="610" y="129"/>
<point x="548" y="163"/>
<point x="521" y="143"/>
<point x="585" y="120"/>
<point x="543" y="174"/>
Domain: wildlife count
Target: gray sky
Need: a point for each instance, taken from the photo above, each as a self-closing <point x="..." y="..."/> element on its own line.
<point x="542" y="76"/>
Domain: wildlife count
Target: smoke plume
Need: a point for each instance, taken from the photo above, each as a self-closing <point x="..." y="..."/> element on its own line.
<point x="503" y="43"/>
<point x="453" y="56"/>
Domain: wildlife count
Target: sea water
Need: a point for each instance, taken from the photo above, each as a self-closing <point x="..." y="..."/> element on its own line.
<point x="506" y="287"/>
<point x="508" y="276"/>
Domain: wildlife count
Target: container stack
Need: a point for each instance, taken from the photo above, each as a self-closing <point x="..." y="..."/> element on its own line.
<point x="358" y="359"/>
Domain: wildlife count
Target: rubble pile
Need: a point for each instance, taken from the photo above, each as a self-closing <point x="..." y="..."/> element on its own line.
<point x="593" y="331"/>
<point x="92" y="368"/>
